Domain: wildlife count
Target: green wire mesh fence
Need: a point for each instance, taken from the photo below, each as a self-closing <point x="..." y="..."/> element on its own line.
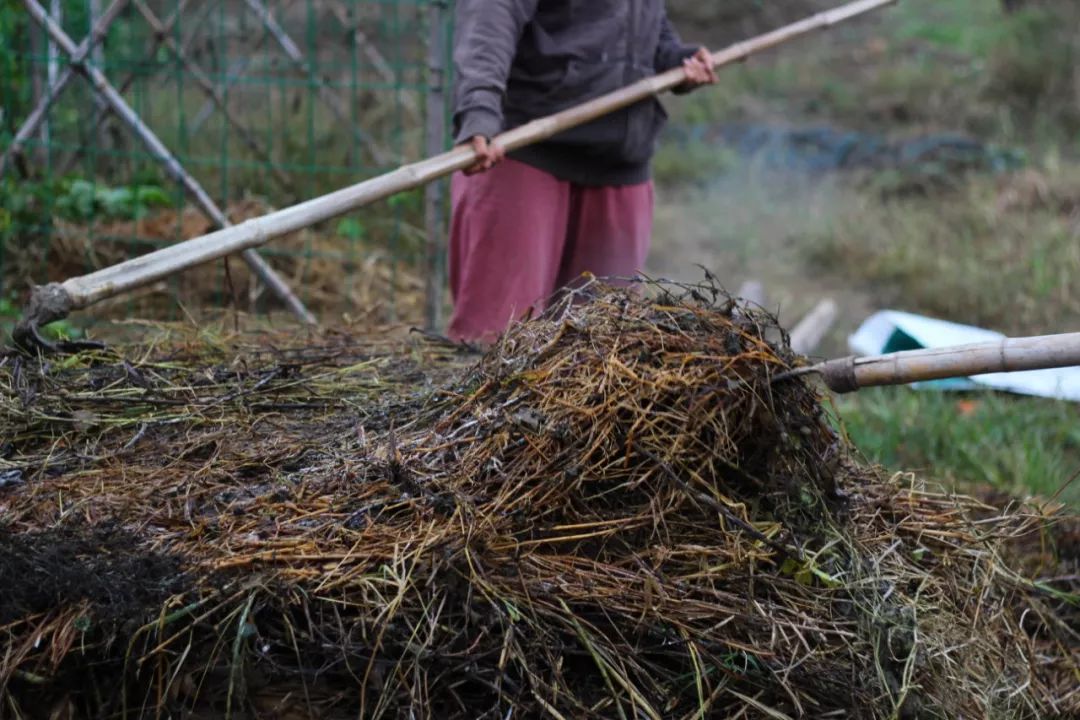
<point x="260" y="104"/>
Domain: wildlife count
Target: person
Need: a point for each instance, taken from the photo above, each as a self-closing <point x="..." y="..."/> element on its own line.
<point x="526" y="224"/>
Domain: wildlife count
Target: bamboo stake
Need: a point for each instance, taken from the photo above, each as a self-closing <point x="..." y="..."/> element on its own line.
<point x="109" y="94"/>
<point x="234" y="73"/>
<point x="97" y="56"/>
<point x="1000" y="356"/>
<point x="810" y="331"/>
<point x="271" y="27"/>
<point x="753" y="292"/>
<point x="37" y="80"/>
<point x="52" y="69"/>
<point x="55" y="301"/>
<point x="40" y="113"/>
<point x="381" y="65"/>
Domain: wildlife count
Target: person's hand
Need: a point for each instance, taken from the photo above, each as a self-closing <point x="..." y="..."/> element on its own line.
<point x="699" y="70"/>
<point x="488" y="155"/>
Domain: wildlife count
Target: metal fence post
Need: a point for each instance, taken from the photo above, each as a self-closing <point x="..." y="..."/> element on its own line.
<point x="97" y="56"/>
<point x="435" y="143"/>
<point x="52" y="68"/>
<point x="38" y="80"/>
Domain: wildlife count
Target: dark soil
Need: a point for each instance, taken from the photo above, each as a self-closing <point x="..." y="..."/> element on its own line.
<point x="101" y="566"/>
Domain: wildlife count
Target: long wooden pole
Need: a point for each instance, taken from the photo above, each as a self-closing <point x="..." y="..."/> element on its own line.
<point x="55" y="301"/>
<point x="999" y="356"/>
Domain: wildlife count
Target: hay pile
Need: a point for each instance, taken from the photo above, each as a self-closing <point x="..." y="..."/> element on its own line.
<point x="614" y="514"/>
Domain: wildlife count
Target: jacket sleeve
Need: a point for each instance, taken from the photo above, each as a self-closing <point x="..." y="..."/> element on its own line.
<point x="485" y="42"/>
<point x="671" y="51"/>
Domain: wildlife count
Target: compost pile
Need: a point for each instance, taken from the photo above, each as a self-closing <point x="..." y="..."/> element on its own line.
<point x="613" y="513"/>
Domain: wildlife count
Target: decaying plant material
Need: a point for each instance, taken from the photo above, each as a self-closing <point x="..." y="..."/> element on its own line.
<point x="613" y="513"/>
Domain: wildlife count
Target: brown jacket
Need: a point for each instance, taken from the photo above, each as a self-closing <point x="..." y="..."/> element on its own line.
<point x="517" y="60"/>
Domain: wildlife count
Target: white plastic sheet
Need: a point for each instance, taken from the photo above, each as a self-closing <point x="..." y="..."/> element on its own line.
<point x="892" y="331"/>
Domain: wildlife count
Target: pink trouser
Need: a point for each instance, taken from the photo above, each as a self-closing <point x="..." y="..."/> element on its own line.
<point x="518" y="234"/>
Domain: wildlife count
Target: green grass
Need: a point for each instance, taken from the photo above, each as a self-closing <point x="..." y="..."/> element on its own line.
<point x="993" y="252"/>
<point x="1021" y="445"/>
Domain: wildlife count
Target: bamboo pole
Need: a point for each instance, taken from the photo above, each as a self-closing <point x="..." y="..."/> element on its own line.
<point x="97" y="56"/>
<point x="52" y="69"/>
<point x="109" y="94"/>
<point x="37" y="80"/>
<point x="376" y="58"/>
<point x="752" y="291"/>
<point x="999" y="356"/>
<point x="810" y="331"/>
<point x="233" y="74"/>
<point x="55" y="301"/>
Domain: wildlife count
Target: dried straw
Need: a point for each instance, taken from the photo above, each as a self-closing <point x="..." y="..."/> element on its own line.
<point x="613" y="514"/>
